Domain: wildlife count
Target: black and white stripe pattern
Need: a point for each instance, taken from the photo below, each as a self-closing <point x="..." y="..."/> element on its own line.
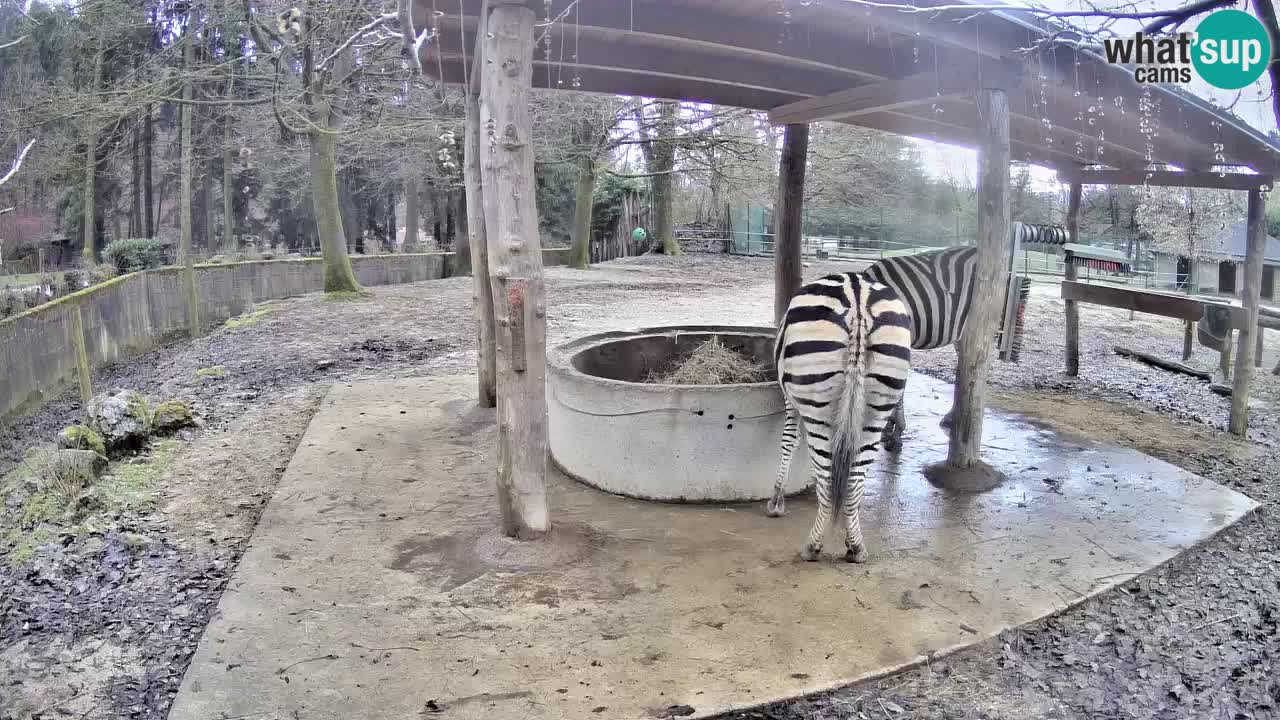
<point x="843" y="353"/>
<point x="937" y="287"/>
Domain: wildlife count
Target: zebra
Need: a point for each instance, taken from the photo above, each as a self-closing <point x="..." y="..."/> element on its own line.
<point x="843" y="354"/>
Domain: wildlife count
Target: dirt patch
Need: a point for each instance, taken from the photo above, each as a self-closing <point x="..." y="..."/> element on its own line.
<point x="1197" y="638"/>
<point x="102" y="623"/>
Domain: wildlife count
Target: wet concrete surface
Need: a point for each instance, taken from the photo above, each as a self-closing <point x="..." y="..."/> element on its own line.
<point x="376" y="585"/>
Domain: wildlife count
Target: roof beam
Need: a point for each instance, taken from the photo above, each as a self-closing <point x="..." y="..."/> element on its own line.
<point x="1186" y="134"/>
<point x="621" y="51"/>
<point x="1166" y="178"/>
<point x="925" y="87"/>
<point x="679" y="25"/>
<point x="959" y="128"/>
<point x="614" y="81"/>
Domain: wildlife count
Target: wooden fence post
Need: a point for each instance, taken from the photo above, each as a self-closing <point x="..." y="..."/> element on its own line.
<point x="993" y="237"/>
<point x="1069" y="269"/>
<point x="515" y="260"/>
<point x="82" y="358"/>
<point x="788" y="219"/>
<point x="1250" y="298"/>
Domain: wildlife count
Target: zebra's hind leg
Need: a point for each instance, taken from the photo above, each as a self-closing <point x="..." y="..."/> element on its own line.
<point x="822" y="483"/>
<point x="884" y="395"/>
<point x="778" y="503"/>
<point x="894" y="427"/>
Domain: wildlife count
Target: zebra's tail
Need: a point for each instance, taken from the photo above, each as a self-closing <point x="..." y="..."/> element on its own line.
<point x="848" y="421"/>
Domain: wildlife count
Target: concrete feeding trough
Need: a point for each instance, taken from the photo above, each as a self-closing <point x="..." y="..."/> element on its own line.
<point x="612" y="430"/>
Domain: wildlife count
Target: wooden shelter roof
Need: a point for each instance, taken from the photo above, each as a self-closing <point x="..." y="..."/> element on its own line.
<point x="907" y="72"/>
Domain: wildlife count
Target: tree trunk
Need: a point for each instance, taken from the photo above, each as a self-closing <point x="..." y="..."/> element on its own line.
<point x="518" y="293"/>
<point x="1250" y="298"/>
<point x="389" y="231"/>
<point x="580" y="254"/>
<point x="338" y="275"/>
<point x="229" y="244"/>
<point x="663" y="158"/>
<point x="209" y="216"/>
<point x="91" y="164"/>
<point x="185" y="219"/>
<point x="993" y="238"/>
<point x="437" y="217"/>
<point x="462" y="246"/>
<point x="135" y="183"/>
<point x="788" y="234"/>
<point x="149" y="209"/>
<point x="411" y="214"/>
<point x="1073" y="310"/>
<point x="481" y="286"/>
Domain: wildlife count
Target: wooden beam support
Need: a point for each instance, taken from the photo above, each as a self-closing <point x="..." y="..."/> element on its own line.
<point x="1250" y="298"/>
<point x="681" y="26"/>
<point x="1073" y="310"/>
<point x="515" y="257"/>
<point x="481" y="287"/>
<point x="1166" y="178"/>
<point x="993" y="237"/>
<point x="925" y="87"/>
<point x="789" y="218"/>
<point x="1180" y="307"/>
<point x="614" y="81"/>
<point x="604" y="48"/>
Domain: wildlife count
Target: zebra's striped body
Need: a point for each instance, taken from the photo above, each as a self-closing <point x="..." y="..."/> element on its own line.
<point x="937" y="287"/>
<point x="843" y="354"/>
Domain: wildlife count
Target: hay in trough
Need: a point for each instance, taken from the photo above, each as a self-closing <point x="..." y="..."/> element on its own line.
<point x="711" y="364"/>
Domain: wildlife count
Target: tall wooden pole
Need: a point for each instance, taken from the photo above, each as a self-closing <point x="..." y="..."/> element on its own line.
<point x="993" y="237"/>
<point x="1257" y="233"/>
<point x="515" y="260"/>
<point x="788" y="225"/>
<point x="1073" y="310"/>
<point x="481" y="287"/>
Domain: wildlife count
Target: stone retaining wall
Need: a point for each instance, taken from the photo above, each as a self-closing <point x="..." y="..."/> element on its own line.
<point x="129" y="315"/>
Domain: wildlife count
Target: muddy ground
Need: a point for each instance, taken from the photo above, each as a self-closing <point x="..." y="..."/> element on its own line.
<point x="102" y="622"/>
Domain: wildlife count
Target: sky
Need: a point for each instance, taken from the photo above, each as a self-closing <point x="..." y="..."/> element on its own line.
<point x="1252" y="106"/>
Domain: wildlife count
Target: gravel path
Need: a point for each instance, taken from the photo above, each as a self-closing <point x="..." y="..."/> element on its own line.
<point x="102" y="624"/>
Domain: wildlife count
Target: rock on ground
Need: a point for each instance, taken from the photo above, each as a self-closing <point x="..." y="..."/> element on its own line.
<point x="121" y="418"/>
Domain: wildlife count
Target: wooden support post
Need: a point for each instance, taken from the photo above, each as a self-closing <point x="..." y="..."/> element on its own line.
<point x="1250" y="298"/>
<point x="993" y="237"/>
<point x="515" y="260"/>
<point x="1224" y="359"/>
<point x="82" y="357"/>
<point x="1069" y="267"/>
<point x="788" y="228"/>
<point x="481" y="287"/>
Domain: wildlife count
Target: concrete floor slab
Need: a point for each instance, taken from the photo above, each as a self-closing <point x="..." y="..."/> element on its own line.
<point x="375" y="585"/>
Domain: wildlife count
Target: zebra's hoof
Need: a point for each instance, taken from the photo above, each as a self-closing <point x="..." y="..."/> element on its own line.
<point x="856" y="555"/>
<point x="945" y="422"/>
<point x="810" y="553"/>
<point x="892" y="443"/>
<point x="777" y="507"/>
